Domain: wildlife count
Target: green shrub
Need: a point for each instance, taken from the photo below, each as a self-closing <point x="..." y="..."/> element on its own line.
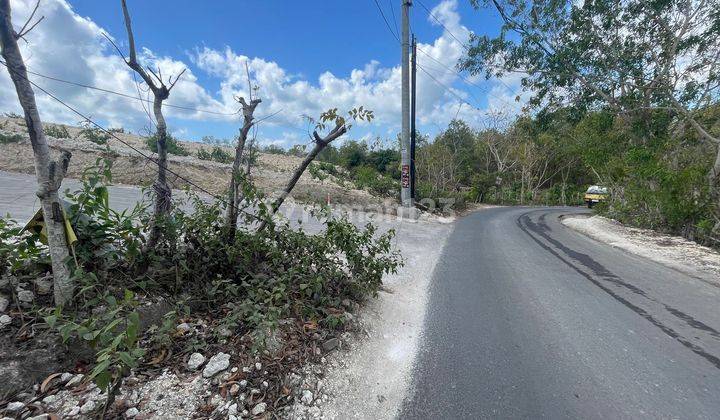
<point x="57" y="131"/>
<point x="216" y="153"/>
<point x="440" y="201"/>
<point x="248" y="284"/>
<point x="368" y="178"/>
<point x="93" y="134"/>
<point x="113" y="333"/>
<point x="273" y="149"/>
<point x="172" y="145"/>
<point x="316" y="172"/>
<point x="6" y="138"/>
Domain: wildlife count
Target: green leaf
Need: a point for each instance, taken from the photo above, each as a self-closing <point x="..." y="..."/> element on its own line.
<point x="100" y="368"/>
<point x="126" y="358"/>
<point x="102" y="380"/>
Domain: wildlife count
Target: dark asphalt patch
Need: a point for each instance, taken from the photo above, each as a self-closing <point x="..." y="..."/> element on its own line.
<point x="541" y="229"/>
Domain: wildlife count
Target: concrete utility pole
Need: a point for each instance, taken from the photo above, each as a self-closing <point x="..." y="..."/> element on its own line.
<point x="413" y="73"/>
<point x="405" y="195"/>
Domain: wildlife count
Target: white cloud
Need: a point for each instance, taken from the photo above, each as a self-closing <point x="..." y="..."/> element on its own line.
<point x="68" y="46"/>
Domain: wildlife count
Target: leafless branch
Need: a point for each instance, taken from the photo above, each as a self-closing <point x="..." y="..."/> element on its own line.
<point x="172" y="84"/>
<point x="22" y="34"/>
<point x="131" y="38"/>
<point x="22" y="31"/>
<point x="157" y="76"/>
<point x="115" y="45"/>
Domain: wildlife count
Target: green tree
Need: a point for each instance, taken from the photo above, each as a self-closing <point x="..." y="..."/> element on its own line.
<point x="647" y="62"/>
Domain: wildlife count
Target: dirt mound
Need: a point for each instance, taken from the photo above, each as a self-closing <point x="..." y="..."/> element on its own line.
<point x="270" y="173"/>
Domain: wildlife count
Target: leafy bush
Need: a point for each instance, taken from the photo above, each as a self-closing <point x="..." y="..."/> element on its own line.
<point x="279" y="272"/>
<point x="440" y="201"/>
<point x="216" y="153"/>
<point x="18" y="249"/>
<point x="10" y="138"/>
<point x="171" y="143"/>
<point x="93" y="134"/>
<point x="368" y="178"/>
<point x="273" y="149"/>
<point x="112" y="332"/>
<point x="328" y="168"/>
<point x="57" y="131"/>
<point x="316" y="172"/>
<point x="249" y="284"/>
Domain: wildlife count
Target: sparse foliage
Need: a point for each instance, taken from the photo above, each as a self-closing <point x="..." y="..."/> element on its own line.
<point x="92" y="133"/>
<point x="216" y="154"/>
<point x="341" y="126"/>
<point x="57" y="131"/>
<point x="172" y="146"/>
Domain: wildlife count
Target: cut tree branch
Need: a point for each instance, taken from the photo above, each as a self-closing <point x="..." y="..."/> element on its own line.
<point x="320" y="144"/>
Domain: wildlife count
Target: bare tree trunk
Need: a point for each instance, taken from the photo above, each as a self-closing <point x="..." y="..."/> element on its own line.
<point x="714" y="181"/>
<point x="231" y="214"/>
<point x="49" y="173"/>
<point x="163" y="193"/>
<point x="715" y="169"/>
<point x="320" y="144"/>
<point x="248" y="158"/>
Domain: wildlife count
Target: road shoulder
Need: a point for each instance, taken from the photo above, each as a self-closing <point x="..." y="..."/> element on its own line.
<point x="370" y="376"/>
<point x="672" y="251"/>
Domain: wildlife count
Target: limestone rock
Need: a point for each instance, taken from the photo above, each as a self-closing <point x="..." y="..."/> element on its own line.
<point x="216" y="364"/>
<point x="195" y="361"/>
<point x="259" y="409"/>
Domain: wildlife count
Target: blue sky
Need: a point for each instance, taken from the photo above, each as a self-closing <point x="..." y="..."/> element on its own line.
<point x="305" y="56"/>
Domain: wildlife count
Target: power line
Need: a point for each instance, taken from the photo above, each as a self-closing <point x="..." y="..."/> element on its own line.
<point x="439" y="83"/>
<point x="467" y="48"/>
<point x="421" y="68"/>
<point x="125" y="95"/>
<point x="454" y="71"/>
<point x="110" y="133"/>
<point x="441" y="24"/>
<point x="143" y="100"/>
<point x="392" y="10"/>
<point x="386" y="21"/>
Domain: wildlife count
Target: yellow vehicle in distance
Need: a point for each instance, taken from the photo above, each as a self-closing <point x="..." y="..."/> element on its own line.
<point x="595" y="194"/>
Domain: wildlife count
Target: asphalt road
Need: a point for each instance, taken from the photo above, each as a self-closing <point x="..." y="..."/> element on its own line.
<point x="528" y="319"/>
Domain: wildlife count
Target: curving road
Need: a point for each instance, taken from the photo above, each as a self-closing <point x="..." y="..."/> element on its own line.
<point x="528" y="319"/>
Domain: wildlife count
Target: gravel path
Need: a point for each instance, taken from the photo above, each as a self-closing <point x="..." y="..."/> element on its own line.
<point x="371" y="378"/>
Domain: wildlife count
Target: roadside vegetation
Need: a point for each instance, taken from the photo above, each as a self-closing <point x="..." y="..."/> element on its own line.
<point x="626" y="95"/>
<point x="129" y="287"/>
<point x="171" y="144"/>
<point x="262" y="288"/>
<point x="216" y="153"/>
<point x="622" y="95"/>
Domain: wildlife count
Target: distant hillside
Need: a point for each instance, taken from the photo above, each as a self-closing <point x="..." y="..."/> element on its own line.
<point x="270" y="173"/>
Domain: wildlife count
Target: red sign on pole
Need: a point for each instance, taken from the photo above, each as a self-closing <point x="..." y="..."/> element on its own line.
<point x="405" y="176"/>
